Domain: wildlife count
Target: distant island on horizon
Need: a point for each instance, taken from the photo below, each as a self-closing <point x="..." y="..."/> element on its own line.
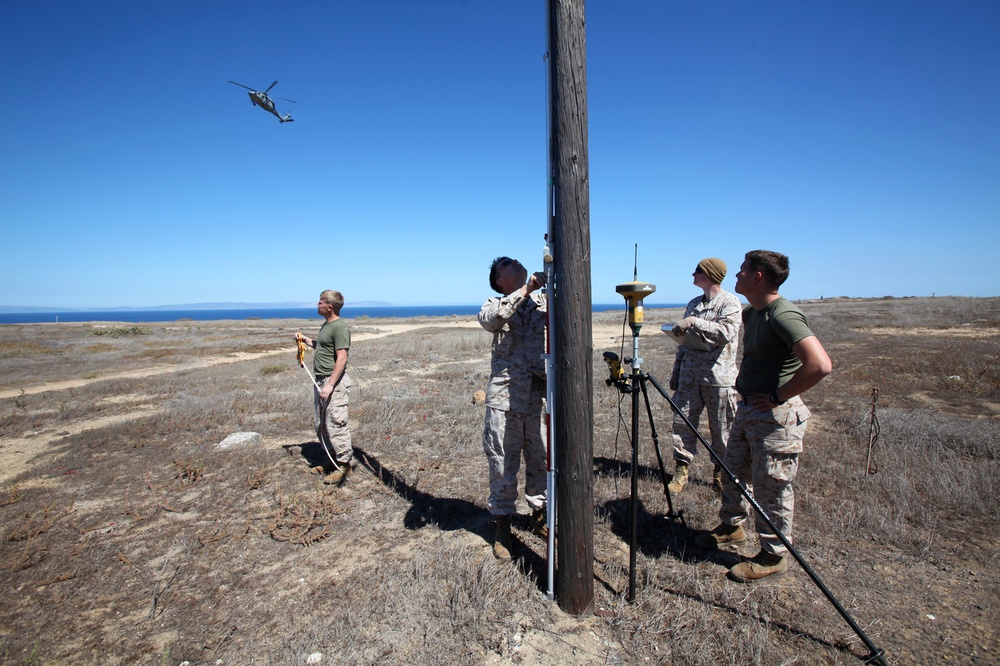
<point x="227" y="305"/>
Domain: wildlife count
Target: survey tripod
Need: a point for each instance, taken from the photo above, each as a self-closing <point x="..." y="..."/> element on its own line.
<point x="636" y="384"/>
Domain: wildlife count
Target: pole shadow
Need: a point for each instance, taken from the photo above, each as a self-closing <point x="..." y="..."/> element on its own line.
<point x="447" y="513"/>
<point x="455" y="514"/>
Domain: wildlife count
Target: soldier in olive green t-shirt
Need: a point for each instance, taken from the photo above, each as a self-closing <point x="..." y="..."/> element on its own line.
<point x="781" y="359"/>
<point x="332" y="394"/>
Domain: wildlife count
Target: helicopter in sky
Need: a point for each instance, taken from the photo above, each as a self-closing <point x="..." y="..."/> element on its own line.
<point x="260" y="98"/>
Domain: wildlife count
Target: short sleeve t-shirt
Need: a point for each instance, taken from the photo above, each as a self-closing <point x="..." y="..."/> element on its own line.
<point x="768" y="336"/>
<point x="333" y="335"/>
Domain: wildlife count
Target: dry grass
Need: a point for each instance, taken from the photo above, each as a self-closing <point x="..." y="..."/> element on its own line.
<point x="129" y="536"/>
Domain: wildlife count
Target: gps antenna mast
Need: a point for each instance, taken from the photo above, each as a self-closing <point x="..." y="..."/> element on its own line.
<point x="634" y="292"/>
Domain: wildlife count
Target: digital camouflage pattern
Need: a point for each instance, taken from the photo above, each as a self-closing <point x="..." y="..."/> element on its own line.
<point x="705" y="379"/>
<point x="719" y="405"/>
<point x="506" y="436"/>
<point x="518" y="326"/>
<point x="515" y="399"/>
<point x="333" y="431"/>
<point x="718" y="324"/>
<point x="763" y="450"/>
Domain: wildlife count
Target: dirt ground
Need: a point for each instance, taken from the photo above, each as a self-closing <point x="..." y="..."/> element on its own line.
<point x="131" y="536"/>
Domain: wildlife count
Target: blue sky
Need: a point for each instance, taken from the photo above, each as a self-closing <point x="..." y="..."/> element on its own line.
<point x="860" y="137"/>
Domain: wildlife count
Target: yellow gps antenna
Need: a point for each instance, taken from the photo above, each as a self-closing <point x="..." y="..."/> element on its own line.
<point x="634" y="292"/>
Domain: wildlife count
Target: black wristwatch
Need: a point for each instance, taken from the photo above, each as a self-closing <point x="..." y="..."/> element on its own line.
<point x="774" y="398"/>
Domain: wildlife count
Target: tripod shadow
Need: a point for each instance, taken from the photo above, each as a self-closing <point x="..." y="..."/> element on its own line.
<point x="612" y="467"/>
<point x="657" y="536"/>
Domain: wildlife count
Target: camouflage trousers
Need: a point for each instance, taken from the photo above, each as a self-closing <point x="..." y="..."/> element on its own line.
<point x="331" y="420"/>
<point x="506" y="436"/>
<point x="764" y="446"/>
<point x="719" y="405"/>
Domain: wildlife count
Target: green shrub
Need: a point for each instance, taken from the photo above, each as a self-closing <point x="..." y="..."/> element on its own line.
<point x="121" y="331"/>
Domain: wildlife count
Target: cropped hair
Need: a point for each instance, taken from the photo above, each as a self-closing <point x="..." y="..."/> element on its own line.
<point x="773" y="265"/>
<point x="334" y="299"/>
<point x="495" y="268"/>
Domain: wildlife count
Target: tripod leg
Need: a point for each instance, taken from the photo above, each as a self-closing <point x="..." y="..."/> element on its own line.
<point x="876" y="654"/>
<point x="659" y="457"/>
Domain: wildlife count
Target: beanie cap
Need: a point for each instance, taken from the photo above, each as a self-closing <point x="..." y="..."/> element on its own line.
<point x="714" y="268"/>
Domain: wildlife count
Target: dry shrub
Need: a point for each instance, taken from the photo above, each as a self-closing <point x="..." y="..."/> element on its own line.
<point x="399" y="569"/>
<point x="38" y="522"/>
<point x="11" y="495"/>
<point x="189" y="471"/>
<point x="935" y="472"/>
<point x="22" y="349"/>
<point x="305" y="518"/>
<point x="446" y="605"/>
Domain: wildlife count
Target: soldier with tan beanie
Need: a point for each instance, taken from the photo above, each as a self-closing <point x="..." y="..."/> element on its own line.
<point x="704" y="375"/>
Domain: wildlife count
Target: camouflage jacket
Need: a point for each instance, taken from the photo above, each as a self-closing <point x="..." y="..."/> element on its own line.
<point x="718" y="324"/>
<point x="517" y="370"/>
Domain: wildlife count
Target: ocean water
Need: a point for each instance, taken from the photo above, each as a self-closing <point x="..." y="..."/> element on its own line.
<point x="349" y="312"/>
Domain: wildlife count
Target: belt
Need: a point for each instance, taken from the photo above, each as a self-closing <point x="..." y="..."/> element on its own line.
<point x="744" y="396"/>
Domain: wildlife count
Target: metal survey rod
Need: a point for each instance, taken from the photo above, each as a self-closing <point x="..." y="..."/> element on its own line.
<point x="550" y="423"/>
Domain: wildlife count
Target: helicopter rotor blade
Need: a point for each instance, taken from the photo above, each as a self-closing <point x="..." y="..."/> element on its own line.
<point x="287" y="100"/>
<point x="247" y="87"/>
<point x="271" y="86"/>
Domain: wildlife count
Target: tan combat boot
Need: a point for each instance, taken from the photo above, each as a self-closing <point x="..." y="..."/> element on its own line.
<point x="762" y="565"/>
<point x="502" y="545"/>
<point x="338" y="476"/>
<point x="680" y="478"/>
<point x="720" y="535"/>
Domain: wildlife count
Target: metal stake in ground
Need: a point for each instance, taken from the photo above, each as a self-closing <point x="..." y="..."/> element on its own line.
<point x="873" y="431"/>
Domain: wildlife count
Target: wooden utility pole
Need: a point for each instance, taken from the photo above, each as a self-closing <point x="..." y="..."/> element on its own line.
<point x="573" y="305"/>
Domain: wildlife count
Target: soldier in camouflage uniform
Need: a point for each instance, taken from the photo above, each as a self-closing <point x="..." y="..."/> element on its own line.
<point x="782" y="358"/>
<point x="514" y="397"/>
<point x="705" y="368"/>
